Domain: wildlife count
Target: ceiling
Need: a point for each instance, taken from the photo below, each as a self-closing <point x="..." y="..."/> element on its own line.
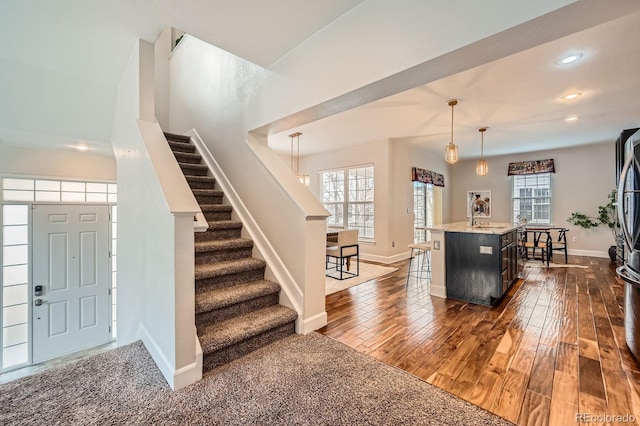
<point x="75" y="51"/>
<point x="85" y="46"/>
<point x="517" y="97"/>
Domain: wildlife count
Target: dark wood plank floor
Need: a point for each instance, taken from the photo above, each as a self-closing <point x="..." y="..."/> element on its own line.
<point x="554" y="347"/>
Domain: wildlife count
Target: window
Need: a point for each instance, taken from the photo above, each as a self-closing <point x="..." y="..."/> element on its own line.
<point x="58" y="191"/>
<point x="423" y="211"/>
<point x="531" y="198"/>
<point x="348" y="195"/>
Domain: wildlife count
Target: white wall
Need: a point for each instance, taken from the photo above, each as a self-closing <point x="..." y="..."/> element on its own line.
<point x="52" y="103"/>
<point x="59" y="164"/>
<point x="584" y="176"/>
<point x="155" y="295"/>
<point x="162" y="51"/>
<point x="408" y="153"/>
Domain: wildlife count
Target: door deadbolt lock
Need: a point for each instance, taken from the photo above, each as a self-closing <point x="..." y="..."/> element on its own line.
<point x="37" y="291"/>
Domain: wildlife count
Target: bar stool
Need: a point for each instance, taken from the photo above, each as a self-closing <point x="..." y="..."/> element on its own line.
<point x="419" y="250"/>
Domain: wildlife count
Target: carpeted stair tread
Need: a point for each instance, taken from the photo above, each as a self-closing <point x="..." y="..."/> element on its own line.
<point x="216" y="299"/>
<point x="172" y="137"/>
<point x="237" y="310"/>
<point x="187" y="157"/>
<point x="191" y="166"/>
<point x="210" y="270"/>
<point x="219" y="208"/>
<point x="181" y="147"/>
<point x="201" y="179"/>
<point x="216" y="336"/>
<point x="230" y="244"/>
<point x="224" y="224"/>
<point x="207" y="192"/>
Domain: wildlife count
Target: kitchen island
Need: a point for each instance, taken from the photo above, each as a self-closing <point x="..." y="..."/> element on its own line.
<point x="477" y="263"/>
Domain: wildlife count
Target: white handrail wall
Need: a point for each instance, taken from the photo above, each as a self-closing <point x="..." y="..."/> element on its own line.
<point x="156" y="300"/>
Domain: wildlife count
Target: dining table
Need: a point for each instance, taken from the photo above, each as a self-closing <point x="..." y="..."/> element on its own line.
<point x="538" y="237"/>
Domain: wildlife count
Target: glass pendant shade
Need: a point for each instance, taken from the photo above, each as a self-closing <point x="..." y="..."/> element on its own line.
<point x="482" y="168"/>
<point x="451" y="153"/>
<point x="304" y="179"/>
<point x="451" y="150"/>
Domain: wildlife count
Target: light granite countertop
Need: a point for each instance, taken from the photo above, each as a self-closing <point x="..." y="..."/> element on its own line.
<point x="496" y="228"/>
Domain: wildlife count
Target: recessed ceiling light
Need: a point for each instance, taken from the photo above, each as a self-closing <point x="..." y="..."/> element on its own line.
<point x="571" y="118"/>
<point x="570" y="58"/>
<point x="571" y="96"/>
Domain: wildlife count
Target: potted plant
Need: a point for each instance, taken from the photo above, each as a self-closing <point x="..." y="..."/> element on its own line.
<point x="607" y="215"/>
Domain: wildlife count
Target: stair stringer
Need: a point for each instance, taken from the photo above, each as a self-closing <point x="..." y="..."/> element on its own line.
<point x="291" y="294"/>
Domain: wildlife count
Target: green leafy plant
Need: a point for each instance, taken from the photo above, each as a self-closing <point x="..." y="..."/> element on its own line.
<point x="607" y="215"/>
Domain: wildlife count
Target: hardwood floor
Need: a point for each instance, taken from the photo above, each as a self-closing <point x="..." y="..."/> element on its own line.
<point x="553" y="348"/>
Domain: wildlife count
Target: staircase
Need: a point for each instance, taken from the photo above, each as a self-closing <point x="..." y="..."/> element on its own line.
<point x="237" y="310"/>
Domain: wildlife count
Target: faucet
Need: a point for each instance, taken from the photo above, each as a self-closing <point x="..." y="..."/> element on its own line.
<point x="471" y="202"/>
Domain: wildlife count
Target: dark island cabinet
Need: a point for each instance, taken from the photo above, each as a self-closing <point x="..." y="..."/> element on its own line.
<point x="480" y="267"/>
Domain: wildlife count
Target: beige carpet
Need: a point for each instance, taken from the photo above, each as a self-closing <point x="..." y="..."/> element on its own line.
<point x="368" y="271"/>
<point x="298" y="380"/>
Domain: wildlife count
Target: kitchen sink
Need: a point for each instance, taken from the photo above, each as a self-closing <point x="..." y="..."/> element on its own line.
<point x="488" y="226"/>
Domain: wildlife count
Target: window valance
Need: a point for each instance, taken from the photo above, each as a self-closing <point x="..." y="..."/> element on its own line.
<point x="426" y="176"/>
<point x="531" y="167"/>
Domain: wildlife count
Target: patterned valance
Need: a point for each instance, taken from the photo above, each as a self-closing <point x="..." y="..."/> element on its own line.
<point x="426" y="176"/>
<point x="531" y="167"/>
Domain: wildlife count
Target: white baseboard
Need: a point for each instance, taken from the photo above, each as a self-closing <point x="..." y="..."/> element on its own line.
<point x="385" y="259"/>
<point x="311" y="324"/>
<point x="191" y="373"/>
<point x="589" y="253"/>
<point x="176" y="379"/>
<point x="438" y="291"/>
<point x="403" y="256"/>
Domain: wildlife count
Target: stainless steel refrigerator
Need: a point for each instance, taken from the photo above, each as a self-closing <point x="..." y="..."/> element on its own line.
<point x="629" y="215"/>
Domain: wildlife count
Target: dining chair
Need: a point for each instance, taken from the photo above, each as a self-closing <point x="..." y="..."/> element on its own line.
<point x="559" y="241"/>
<point x="343" y="250"/>
<point x="534" y="239"/>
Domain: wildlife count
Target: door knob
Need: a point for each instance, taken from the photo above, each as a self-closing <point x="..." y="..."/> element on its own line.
<point x="39" y="302"/>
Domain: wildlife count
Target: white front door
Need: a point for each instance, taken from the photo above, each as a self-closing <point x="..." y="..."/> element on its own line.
<point x="71" y="263"/>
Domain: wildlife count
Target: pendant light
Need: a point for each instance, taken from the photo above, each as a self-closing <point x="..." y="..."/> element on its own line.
<point x="482" y="168"/>
<point x="451" y="151"/>
<point x="304" y="179"/>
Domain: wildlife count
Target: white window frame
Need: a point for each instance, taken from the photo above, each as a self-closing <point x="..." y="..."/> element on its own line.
<point x="533" y="182"/>
<point x="338" y="200"/>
